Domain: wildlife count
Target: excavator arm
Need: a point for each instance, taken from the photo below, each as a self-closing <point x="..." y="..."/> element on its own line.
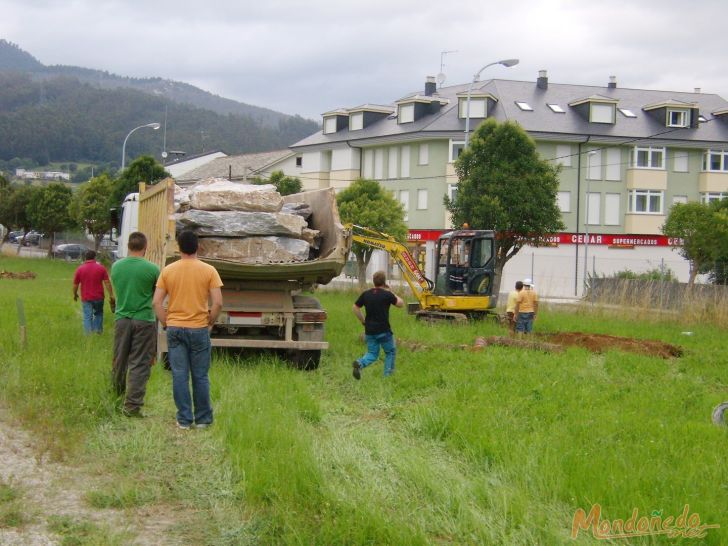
<point x="421" y="286"/>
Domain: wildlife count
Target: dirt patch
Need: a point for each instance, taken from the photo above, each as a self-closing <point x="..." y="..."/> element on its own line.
<point x="599" y="343"/>
<point x="50" y="489"/>
<point x="25" y="275"/>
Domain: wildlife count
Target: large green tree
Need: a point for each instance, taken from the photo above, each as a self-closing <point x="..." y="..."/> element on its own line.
<point x="48" y="210"/>
<point x="505" y="186"/>
<point x="366" y="203"/>
<point x="17" y="207"/>
<point x="142" y="169"/>
<point x="702" y="229"/>
<point x="91" y="205"/>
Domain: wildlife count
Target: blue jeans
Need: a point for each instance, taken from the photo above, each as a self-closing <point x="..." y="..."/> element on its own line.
<point x="189" y="357"/>
<point x="525" y="323"/>
<point x="374" y="342"/>
<point x="93" y="316"/>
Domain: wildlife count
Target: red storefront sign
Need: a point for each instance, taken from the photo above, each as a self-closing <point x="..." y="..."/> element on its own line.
<point x="422" y="235"/>
<point x="618" y="240"/>
<point x="612" y="240"/>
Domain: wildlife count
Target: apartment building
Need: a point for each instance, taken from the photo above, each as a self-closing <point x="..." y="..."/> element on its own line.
<point x="626" y="156"/>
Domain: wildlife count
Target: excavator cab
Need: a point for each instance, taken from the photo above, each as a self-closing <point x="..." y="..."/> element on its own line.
<point x="465" y="263"/>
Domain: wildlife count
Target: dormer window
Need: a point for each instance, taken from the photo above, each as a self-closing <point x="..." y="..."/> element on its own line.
<point x="329" y="125"/>
<point x="406" y="113"/>
<point x="601" y="113"/>
<point x="674" y="113"/>
<point x="478" y="108"/>
<point x="596" y="109"/>
<point x="356" y="121"/>
<point x="678" y="118"/>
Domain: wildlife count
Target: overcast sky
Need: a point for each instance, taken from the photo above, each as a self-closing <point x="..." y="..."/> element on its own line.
<point x="309" y="57"/>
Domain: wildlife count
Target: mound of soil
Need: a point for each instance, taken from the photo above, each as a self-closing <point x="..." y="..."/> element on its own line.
<point x="22" y="276"/>
<point x="599" y="343"/>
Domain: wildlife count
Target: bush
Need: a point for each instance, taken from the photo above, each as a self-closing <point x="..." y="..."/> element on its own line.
<point x="655" y="274"/>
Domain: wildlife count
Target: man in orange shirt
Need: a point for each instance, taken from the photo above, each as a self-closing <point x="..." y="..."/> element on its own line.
<point x="526" y="308"/>
<point x="189" y="283"/>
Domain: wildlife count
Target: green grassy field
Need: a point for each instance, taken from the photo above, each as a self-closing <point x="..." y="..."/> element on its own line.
<point x="492" y="447"/>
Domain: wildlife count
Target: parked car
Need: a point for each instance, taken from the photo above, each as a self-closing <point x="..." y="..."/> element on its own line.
<point x="69" y="251"/>
<point x="15" y="236"/>
<point x="33" y="238"/>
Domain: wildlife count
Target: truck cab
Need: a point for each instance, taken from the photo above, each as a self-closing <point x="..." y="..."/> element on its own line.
<point x="465" y="263"/>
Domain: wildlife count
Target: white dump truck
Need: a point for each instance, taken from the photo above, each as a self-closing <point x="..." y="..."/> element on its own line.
<point x="264" y="305"/>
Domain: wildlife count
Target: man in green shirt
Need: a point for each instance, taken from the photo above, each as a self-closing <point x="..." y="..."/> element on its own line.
<point x="135" y="329"/>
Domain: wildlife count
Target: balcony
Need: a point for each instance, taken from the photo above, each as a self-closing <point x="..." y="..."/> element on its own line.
<point x="712" y="182"/>
<point x="643" y="224"/>
<point x="646" y="179"/>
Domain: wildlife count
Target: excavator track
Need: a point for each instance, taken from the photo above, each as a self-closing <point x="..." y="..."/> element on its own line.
<point x="438" y="317"/>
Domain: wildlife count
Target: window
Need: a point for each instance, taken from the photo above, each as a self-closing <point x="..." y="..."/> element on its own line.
<point x="563" y="200"/>
<point x="330" y="125"/>
<point x="299" y="161"/>
<point x="421" y="199"/>
<point x="593" y="208"/>
<point x="452" y="191"/>
<point x="477" y="108"/>
<point x="645" y="201"/>
<point x="405" y="162"/>
<point x="556" y="108"/>
<point x="368" y="167"/>
<point x="406" y="113"/>
<point x="456" y="148"/>
<point x="594" y="165"/>
<point x="392" y="162"/>
<point x="712" y="196"/>
<point x="626" y="112"/>
<point x="614" y="164"/>
<point x="678" y="118"/>
<point x="524" y="106"/>
<point x="648" y="158"/>
<point x="682" y="199"/>
<point x="680" y="161"/>
<point x="611" y="209"/>
<point x="601" y="113"/>
<point x="715" y="161"/>
<point x="379" y="163"/>
<point x="563" y="155"/>
<point x="424" y="158"/>
<point x="404" y="200"/>
<point x="356" y="121"/>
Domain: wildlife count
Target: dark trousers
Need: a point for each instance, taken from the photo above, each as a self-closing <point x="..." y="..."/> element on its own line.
<point x="135" y="345"/>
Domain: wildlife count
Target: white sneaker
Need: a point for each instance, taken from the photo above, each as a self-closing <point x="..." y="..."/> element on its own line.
<point x="183" y="427"/>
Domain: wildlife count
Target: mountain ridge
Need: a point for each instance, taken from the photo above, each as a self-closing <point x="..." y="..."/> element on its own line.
<point x="14" y="58"/>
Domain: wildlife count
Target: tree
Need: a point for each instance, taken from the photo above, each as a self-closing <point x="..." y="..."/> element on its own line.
<point x="6" y="212"/>
<point x="91" y="207"/>
<point x="19" y="200"/>
<point x="142" y="169"/>
<point x="702" y="228"/>
<point x="367" y="204"/>
<point x="506" y="187"/>
<point x="48" y="210"/>
<point x="285" y="185"/>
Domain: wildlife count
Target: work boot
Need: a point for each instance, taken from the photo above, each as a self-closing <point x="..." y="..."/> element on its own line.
<point x="135" y="413"/>
<point x="356" y="372"/>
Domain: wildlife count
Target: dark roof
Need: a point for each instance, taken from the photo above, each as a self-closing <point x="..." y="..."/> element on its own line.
<point x="542" y="122"/>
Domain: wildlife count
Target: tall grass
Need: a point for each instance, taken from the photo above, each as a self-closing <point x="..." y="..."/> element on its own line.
<point x="492" y="447"/>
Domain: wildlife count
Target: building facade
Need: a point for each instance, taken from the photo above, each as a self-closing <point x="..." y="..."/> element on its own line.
<point x="626" y="156"/>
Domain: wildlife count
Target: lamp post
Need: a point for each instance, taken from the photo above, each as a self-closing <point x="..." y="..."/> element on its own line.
<point x="154" y="126"/>
<point x="589" y="156"/>
<point x="476" y="77"/>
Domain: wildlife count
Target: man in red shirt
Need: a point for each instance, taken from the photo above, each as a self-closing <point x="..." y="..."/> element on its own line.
<point x="92" y="277"/>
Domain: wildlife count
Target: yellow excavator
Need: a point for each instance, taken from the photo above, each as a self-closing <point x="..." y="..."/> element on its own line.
<point x="465" y="267"/>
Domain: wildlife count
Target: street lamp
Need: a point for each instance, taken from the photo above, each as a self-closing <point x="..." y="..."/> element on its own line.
<point x="154" y="126"/>
<point x="476" y="78"/>
<point x="589" y="156"/>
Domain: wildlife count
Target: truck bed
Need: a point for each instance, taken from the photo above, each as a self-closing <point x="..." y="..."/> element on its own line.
<point x="325" y="218"/>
